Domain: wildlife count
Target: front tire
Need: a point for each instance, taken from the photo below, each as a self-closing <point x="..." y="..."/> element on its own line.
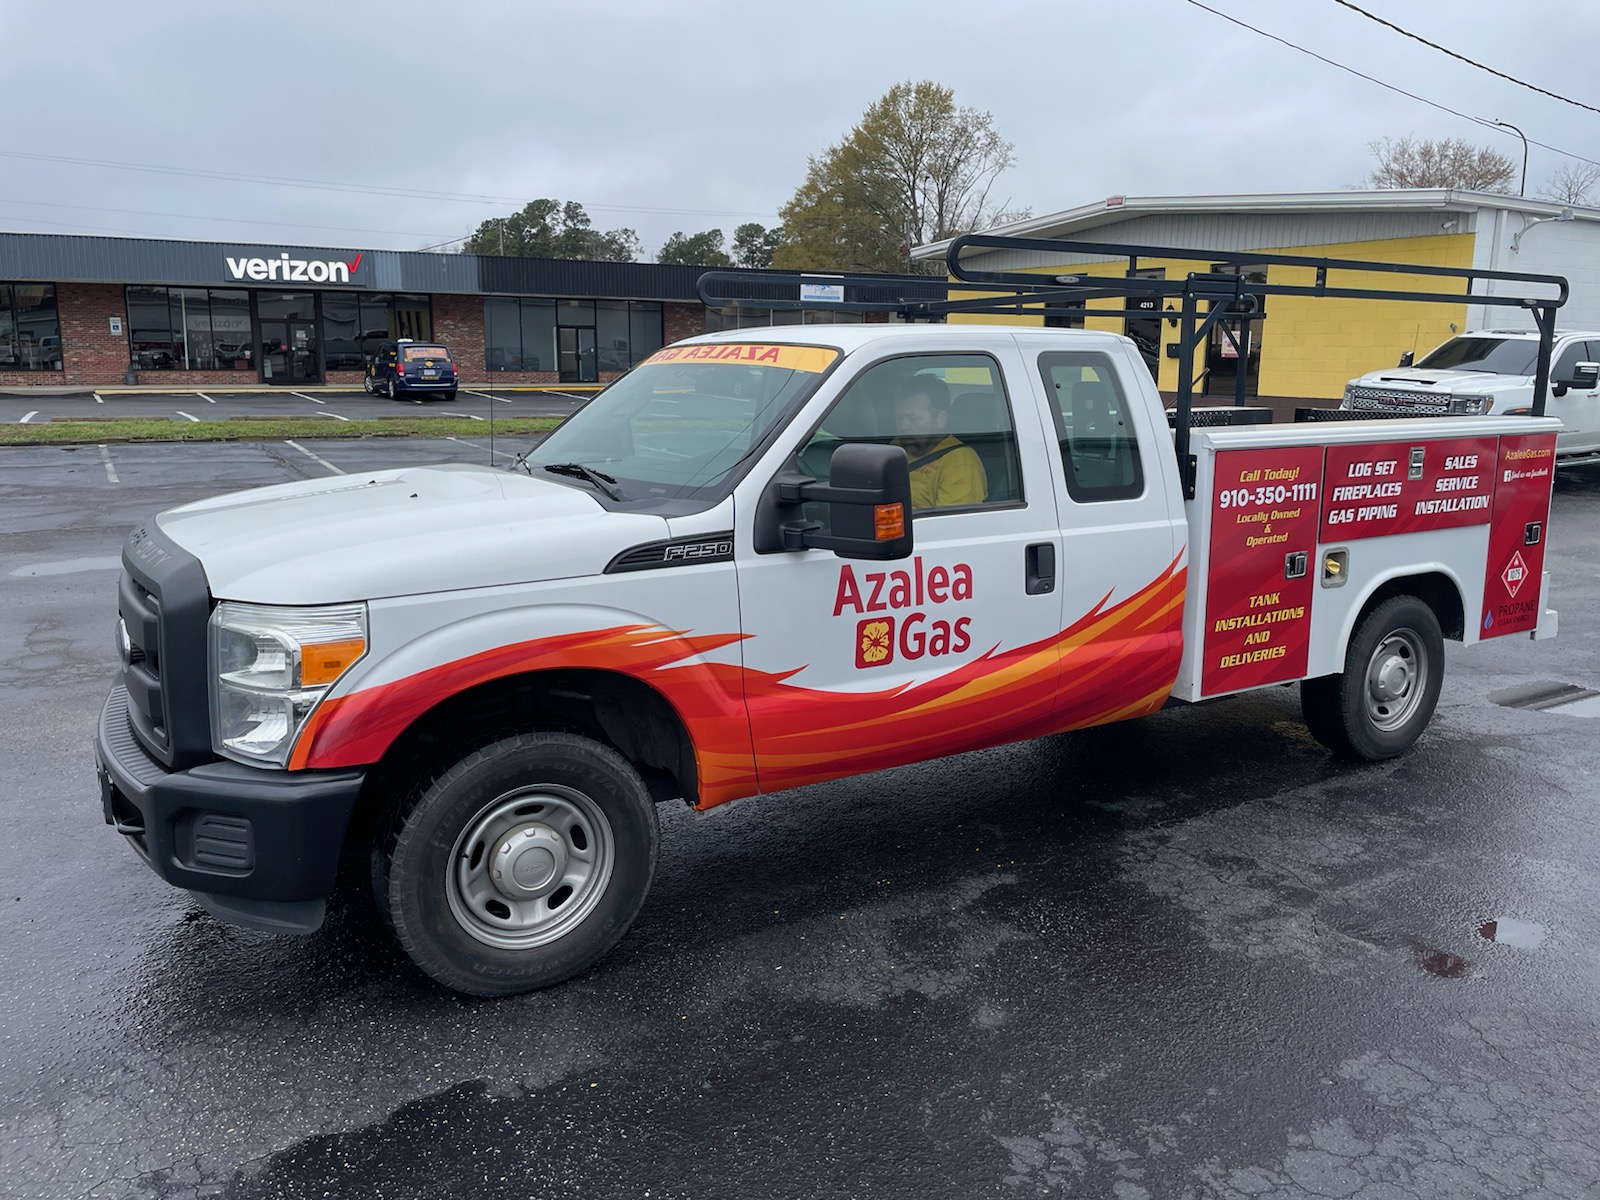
<point x="1385" y="697"/>
<point x="521" y="865"/>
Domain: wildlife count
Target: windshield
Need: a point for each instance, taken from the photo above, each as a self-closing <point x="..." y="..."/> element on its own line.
<point x="418" y="353"/>
<point x="1497" y="356"/>
<point x="680" y="422"/>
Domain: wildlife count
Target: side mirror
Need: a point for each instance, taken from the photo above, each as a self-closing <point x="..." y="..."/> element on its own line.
<point x="1585" y="377"/>
<point x="869" y="499"/>
<point x="1408" y="358"/>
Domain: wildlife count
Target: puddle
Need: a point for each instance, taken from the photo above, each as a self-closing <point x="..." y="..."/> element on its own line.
<point x="1537" y="697"/>
<point x="1508" y="931"/>
<point x="71" y="566"/>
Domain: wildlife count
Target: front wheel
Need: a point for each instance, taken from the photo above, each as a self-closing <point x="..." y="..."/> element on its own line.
<point x="521" y="865"/>
<point x="1384" y="699"/>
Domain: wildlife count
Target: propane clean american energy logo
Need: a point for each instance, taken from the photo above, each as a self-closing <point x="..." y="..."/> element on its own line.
<point x="294" y="270"/>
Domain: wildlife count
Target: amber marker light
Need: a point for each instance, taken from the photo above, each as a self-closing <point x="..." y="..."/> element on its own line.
<point x="888" y="521"/>
<point x="323" y="662"/>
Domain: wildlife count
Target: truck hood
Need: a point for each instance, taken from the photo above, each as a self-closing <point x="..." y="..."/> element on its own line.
<point x="400" y="532"/>
<point x="1422" y="379"/>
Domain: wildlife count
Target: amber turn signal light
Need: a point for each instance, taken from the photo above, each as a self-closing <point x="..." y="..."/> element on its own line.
<point x="323" y="662"/>
<point x="888" y="521"/>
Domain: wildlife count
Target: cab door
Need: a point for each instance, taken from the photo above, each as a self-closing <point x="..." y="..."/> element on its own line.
<point x="855" y="665"/>
<point x="1579" y="410"/>
<point x="1123" y="532"/>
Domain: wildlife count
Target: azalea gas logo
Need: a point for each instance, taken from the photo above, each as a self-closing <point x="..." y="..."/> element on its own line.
<point x="908" y="635"/>
<point x="294" y="270"/>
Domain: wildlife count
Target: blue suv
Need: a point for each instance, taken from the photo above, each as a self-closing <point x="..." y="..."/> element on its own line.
<point x="408" y="368"/>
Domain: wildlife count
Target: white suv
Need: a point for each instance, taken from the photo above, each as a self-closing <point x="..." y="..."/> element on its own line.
<point x="1491" y="370"/>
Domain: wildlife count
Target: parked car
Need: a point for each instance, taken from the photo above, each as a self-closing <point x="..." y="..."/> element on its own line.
<point x="410" y="368"/>
<point x="1491" y="371"/>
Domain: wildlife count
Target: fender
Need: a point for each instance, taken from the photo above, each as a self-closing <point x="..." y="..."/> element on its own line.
<point x="1347" y="624"/>
<point x="381" y="698"/>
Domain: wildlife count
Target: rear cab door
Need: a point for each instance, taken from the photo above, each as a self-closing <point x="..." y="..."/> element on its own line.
<point x="1122" y="524"/>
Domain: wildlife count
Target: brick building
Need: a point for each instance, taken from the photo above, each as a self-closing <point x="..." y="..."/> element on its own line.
<point x="90" y="311"/>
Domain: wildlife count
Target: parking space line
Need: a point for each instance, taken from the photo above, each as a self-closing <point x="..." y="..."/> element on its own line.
<point x="205" y="397"/>
<point x="484" y="395"/>
<point x="480" y="446"/>
<point x="26" y="417"/>
<point x="98" y="398"/>
<point x="314" y="458"/>
<point x="473" y="417"/>
<point x="335" y="416"/>
<point x="181" y="413"/>
<point x="111" y="472"/>
<point x="303" y="396"/>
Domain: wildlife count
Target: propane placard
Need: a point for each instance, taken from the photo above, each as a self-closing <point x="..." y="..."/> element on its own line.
<point x="1524" y="474"/>
<point x="1405" y="487"/>
<point x="1264" y="512"/>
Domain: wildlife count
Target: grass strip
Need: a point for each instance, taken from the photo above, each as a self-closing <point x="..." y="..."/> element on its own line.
<point x="160" y="429"/>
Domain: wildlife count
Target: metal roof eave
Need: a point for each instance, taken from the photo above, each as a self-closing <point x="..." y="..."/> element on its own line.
<point x="1075" y="221"/>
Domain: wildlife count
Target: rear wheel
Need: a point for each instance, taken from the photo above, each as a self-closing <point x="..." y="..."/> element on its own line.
<point x="394" y="393"/>
<point x="450" y="395"/>
<point x="519" y="866"/>
<point x="1385" y="697"/>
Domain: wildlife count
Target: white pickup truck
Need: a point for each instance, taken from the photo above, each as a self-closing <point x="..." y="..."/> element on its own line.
<point x="1492" y="371"/>
<point x="763" y="559"/>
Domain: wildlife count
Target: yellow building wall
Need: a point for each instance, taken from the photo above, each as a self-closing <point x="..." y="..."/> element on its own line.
<point x="1310" y="346"/>
<point x="1313" y="347"/>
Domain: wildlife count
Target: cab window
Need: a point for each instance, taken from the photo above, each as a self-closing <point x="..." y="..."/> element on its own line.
<point x="1099" y="449"/>
<point x="948" y="412"/>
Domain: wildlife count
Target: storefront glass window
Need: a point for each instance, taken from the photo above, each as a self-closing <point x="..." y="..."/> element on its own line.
<point x="190" y="329"/>
<point x="8" y="331"/>
<point x="538" y="335"/>
<point x="38" y="330"/>
<point x="191" y="325"/>
<point x="230" y="331"/>
<point x="611" y="334"/>
<point x="644" y="331"/>
<point x="341" y="331"/>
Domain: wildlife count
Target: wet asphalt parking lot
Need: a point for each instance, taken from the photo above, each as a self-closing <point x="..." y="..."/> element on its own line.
<point x="1186" y="957"/>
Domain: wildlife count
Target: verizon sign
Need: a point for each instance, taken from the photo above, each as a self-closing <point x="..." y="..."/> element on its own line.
<point x="295" y="270"/>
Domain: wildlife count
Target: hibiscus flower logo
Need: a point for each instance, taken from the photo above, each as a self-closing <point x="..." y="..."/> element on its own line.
<point x="875" y="642"/>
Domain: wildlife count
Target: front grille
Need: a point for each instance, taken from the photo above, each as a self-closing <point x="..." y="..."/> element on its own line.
<point x="164" y="604"/>
<point x="1374" y="399"/>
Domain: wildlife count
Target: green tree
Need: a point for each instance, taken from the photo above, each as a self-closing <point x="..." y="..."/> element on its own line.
<point x="754" y="243"/>
<point x="915" y="169"/>
<point x="552" y="229"/>
<point x="695" y="250"/>
<point x="1450" y="163"/>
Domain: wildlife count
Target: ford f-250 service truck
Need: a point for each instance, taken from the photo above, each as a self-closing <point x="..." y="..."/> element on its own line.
<point x="739" y="570"/>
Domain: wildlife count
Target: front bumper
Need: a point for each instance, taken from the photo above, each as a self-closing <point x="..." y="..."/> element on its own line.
<point x="259" y="848"/>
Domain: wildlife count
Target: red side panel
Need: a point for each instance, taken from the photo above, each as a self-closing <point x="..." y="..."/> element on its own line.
<point x="1405" y="487"/>
<point x="1263" y="559"/>
<point x="1524" y="475"/>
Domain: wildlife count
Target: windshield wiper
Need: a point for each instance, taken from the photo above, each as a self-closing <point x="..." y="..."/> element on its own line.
<point x="600" y="480"/>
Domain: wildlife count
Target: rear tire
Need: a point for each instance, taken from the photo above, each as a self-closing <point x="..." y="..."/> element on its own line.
<point x="1386" y="695"/>
<point x="394" y="393"/>
<point x="519" y="866"/>
<point x="449" y="395"/>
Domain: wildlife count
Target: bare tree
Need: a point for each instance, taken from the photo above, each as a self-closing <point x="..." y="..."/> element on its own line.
<point x="1451" y="163"/>
<point x="1571" y="183"/>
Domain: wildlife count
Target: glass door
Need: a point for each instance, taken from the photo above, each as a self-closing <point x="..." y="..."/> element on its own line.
<point x="575" y="354"/>
<point x="289" y="353"/>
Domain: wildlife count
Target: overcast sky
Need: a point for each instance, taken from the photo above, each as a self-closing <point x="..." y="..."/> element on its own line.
<point x="687" y="116"/>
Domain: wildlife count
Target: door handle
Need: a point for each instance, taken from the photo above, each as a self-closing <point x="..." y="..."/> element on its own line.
<point x="1039" y="569"/>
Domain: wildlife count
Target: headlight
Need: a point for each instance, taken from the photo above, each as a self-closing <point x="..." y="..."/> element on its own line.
<point x="1349" y="395"/>
<point x="269" y="668"/>
<point x="1470" y="406"/>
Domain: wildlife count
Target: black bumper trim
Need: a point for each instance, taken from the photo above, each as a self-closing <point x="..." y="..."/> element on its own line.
<point x="298" y="818"/>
